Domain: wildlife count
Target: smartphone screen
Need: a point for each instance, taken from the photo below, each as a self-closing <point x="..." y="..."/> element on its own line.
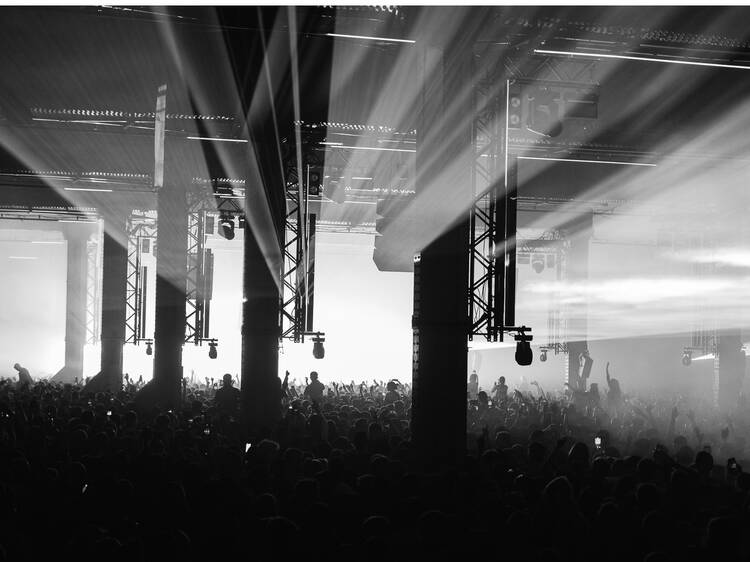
<point x="598" y="441"/>
<point x="248" y="446"/>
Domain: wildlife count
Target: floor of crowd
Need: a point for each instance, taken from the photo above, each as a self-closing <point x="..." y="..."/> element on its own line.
<point x="547" y="476"/>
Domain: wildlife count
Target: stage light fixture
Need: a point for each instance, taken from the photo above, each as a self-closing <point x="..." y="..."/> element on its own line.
<point x="212" y="353"/>
<point x="543" y="356"/>
<point x="318" y="350"/>
<point x="149" y="348"/>
<point x="226" y="227"/>
<point x="687" y="358"/>
<point x="524" y="356"/>
<point x="538" y="263"/>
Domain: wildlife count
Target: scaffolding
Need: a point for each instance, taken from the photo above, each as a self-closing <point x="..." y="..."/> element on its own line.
<point x="93" y="290"/>
<point x="141" y="234"/>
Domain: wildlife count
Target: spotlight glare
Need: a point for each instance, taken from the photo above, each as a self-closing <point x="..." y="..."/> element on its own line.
<point x="371" y="38"/>
<point x="687" y="358"/>
<point x="645" y="59"/>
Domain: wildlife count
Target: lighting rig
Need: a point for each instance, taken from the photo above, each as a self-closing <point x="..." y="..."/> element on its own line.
<point x="318" y="338"/>
<point x="521" y="334"/>
<point x="556" y="348"/>
<point x="212" y="344"/>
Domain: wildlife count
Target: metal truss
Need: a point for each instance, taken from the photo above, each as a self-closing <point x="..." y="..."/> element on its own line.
<point x="199" y="272"/>
<point x="482" y="231"/>
<point x="202" y="206"/>
<point x="93" y="290"/>
<point x="141" y="227"/>
<point x="494" y="178"/>
<point x="704" y="337"/>
<point x="295" y="318"/>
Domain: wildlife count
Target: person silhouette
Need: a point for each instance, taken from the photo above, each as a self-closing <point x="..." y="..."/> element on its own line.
<point x="24" y="378"/>
<point x="227" y="398"/>
<point x="314" y="390"/>
<point x="473" y="387"/>
<point x="500" y="390"/>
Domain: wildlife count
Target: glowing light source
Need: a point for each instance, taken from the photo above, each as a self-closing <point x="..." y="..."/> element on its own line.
<point x="645" y="59"/>
<point x="371" y="38"/>
<point x="87" y="189"/>
<point x="376" y="148"/>
<point x="687" y="358"/>
<point x="22" y="258"/>
<point x="587" y="161"/>
<point x="216" y="139"/>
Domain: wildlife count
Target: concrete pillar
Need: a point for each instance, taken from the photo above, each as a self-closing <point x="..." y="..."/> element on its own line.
<point x="171" y="286"/>
<point x="441" y="274"/>
<point x="260" y="338"/>
<point x="114" y="295"/>
<point x="729" y="370"/>
<point x="75" y="306"/>
<point x="440" y="350"/>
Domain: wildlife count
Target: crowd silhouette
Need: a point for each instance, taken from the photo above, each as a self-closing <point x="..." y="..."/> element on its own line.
<point x="563" y="475"/>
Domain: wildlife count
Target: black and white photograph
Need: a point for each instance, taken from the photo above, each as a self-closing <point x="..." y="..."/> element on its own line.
<point x="357" y="282"/>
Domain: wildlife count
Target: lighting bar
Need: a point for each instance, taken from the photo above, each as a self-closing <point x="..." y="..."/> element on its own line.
<point x="87" y="189"/>
<point x="390" y="39"/>
<point x="76" y="221"/>
<point x="58" y="242"/>
<point x="646" y="59"/>
<point x="22" y="258"/>
<point x="332" y="143"/>
<point x="360" y="178"/>
<point x="377" y="148"/>
<point x="398" y="140"/>
<point x="217" y="139"/>
<point x="587" y="161"/>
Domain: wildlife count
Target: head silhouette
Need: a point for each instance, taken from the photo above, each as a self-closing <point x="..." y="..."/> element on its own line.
<point x="314" y="375"/>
